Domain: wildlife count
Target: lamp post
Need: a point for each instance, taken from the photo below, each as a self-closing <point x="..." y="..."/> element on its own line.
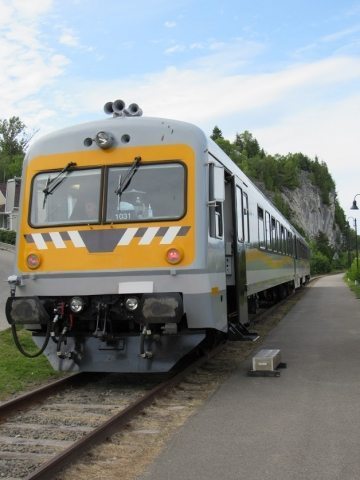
<point x="355" y="207"/>
<point x="356" y="241"/>
<point x="348" y="244"/>
<point x="354" y="204"/>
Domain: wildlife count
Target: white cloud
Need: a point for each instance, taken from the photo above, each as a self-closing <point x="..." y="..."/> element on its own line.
<point x="68" y="38"/>
<point x="169" y="24"/>
<point x="175" y="49"/>
<point x="26" y="64"/>
<point x="6" y="11"/>
<point x="197" y="46"/>
<point x="32" y="9"/>
<point x="330" y="132"/>
<point x="194" y="95"/>
<point x="303" y="115"/>
<point x="340" y="34"/>
<point x="228" y="56"/>
<point x="22" y="9"/>
<point x="219" y="95"/>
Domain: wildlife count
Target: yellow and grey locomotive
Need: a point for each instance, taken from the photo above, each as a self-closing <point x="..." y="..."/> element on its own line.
<point x="138" y="239"/>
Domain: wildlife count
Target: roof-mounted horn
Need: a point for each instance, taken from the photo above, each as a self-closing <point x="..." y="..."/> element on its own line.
<point x="117" y="109"/>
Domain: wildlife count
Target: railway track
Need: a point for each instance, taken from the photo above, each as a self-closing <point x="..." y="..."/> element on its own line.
<point x="45" y="430"/>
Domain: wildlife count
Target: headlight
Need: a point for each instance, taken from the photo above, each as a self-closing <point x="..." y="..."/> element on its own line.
<point x="131" y="304"/>
<point x="104" y="140"/>
<point x="77" y="304"/>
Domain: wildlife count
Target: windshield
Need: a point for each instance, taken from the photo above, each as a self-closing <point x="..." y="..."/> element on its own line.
<point x="75" y="200"/>
<point x="156" y="191"/>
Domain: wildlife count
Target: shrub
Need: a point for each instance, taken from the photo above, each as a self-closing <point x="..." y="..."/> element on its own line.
<point x="8" y="236"/>
<point x="353" y="272"/>
<point x="319" y="263"/>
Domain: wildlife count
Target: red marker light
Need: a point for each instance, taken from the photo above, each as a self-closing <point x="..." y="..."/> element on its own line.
<point x="174" y="256"/>
<point x="33" y="261"/>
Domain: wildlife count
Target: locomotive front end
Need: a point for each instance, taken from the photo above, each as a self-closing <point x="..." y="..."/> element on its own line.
<point x="107" y="224"/>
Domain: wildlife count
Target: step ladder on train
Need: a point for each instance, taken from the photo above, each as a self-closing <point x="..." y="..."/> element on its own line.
<point x="237" y="332"/>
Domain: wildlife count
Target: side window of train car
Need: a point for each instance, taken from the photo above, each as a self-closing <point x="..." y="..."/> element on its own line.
<point x="268" y="231"/>
<point x="283" y="243"/>
<point x="285" y="248"/>
<point x="156" y="192"/>
<point x="69" y="198"/>
<point x="278" y="236"/>
<point x="273" y="234"/>
<point x="245" y="205"/>
<point x="215" y="208"/>
<point x="261" y="228"/>
<point x="239" y="214"/>
<point x="303" y="251"/>
<point x="290" y="244"/>
<point x="218" y="220"/>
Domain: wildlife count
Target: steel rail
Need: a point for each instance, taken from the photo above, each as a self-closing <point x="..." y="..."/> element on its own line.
<point x="36" y="396"/>
<point x="113" y="425"/>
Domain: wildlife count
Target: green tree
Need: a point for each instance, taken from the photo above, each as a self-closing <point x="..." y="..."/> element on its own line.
<point x="216" y="134"/>
<point x="322" y="179"/>
<point x="282" y="205"/>
<point x="319" y="263"/>
<point x="323" y="246"/>
<point x="14" y="140"/>
<point x="247" y="144"/>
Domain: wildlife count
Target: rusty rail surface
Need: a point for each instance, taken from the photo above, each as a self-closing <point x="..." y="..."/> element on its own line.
<point x="114" y="424"/>
<point x="37" y="396"/>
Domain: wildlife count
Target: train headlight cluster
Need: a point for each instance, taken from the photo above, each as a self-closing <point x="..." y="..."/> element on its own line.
<point x="104" y="140"/>
<point x="131" y="304"/>
<point x="77" y="304"/>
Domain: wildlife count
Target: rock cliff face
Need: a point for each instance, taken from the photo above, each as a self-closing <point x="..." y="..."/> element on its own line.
<point x="309" y="212"/>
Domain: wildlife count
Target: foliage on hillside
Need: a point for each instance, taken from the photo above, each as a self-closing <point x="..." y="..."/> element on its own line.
<point x="277" y="172"/>
<point x="274" y="171"/>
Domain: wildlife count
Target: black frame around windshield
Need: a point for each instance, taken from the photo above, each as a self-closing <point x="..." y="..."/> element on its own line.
<point x="164" y="207"/>
<point x="74" y="202"/>
<point x="152" y="195"/>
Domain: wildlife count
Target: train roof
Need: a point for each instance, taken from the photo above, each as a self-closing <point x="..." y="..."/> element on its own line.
<point x="141" y="130"/>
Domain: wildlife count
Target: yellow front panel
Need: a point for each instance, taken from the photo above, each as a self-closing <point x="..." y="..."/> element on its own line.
<point x="140" y="245"/>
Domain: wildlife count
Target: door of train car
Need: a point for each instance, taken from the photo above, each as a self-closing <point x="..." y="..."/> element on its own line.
<point x="236" y="233"/>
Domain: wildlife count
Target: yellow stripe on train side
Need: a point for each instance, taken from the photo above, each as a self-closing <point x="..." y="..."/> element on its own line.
<point x="123" y="246"/>
<point x="257" y="259"/>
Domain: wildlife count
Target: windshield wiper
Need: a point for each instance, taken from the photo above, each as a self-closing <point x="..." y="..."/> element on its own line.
<point x="51" y="185"/>
<point x="125" y="182"/>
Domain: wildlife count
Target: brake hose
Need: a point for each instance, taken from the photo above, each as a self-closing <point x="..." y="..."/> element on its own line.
<point x="21" y="348"/>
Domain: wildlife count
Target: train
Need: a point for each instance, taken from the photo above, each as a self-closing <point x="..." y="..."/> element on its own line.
<point x="139" y="241"/>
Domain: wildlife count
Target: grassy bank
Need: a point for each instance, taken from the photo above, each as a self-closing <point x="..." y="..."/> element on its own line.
<point x="354" y="286"/>
<point x="19" y="373"/>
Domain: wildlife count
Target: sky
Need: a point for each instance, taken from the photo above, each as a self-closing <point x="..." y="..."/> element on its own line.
<point x="287" y="71"/>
